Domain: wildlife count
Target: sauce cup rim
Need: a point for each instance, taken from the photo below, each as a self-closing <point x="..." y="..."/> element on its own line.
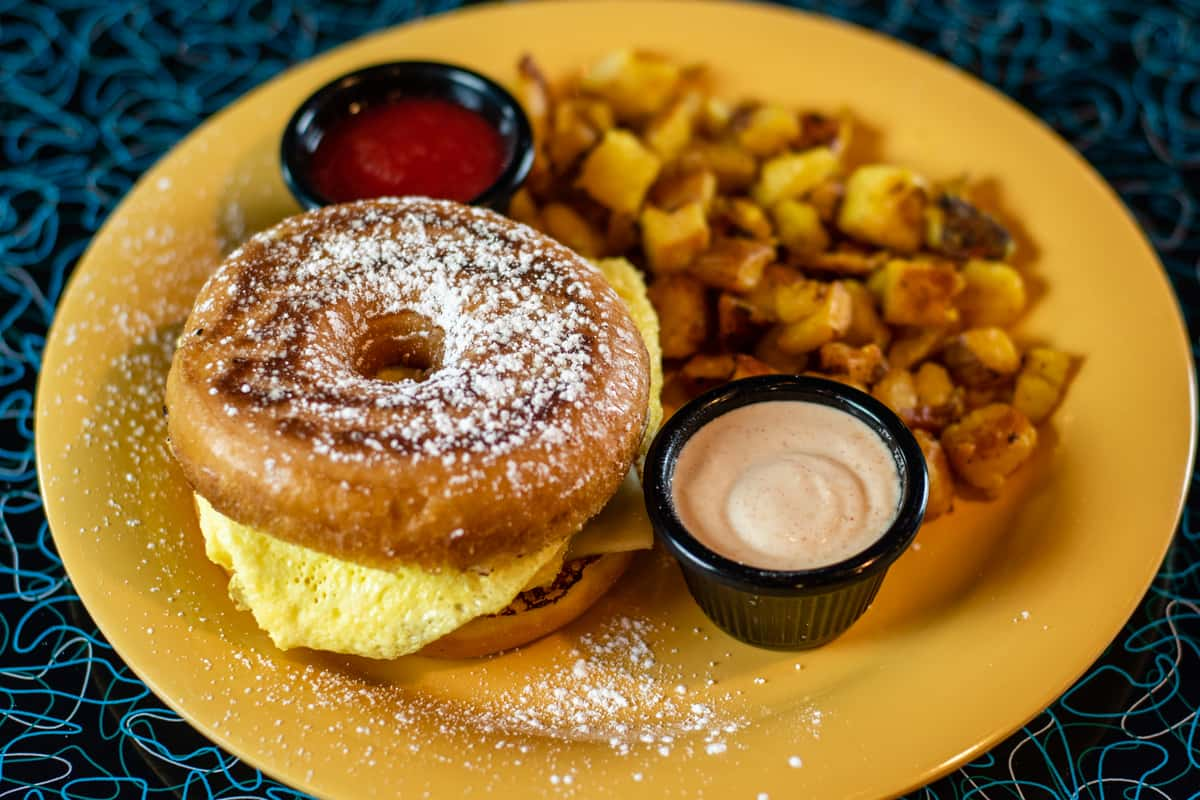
<point x="670" y="440"/>
<point x="437" y="79"/>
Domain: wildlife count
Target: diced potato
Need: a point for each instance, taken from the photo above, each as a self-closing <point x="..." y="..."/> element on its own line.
<point x="734" y="167"/>
<point x="671" y="130"/>
<point x="672" y="192"/>
<point x="768" y="351"/>
<point x="673" y="239"/>
<point x="621" y="233"/>
<point x="934" y="387"/>
<point x="748" y="367"/>
<point x="884" y="205"/>
<point x="596" y="113"/>
<point x="826" y="198"/>
<point x="829" y="321"/>
<point x="866" y="327"/>
<point x="799" y="226"/>
<point x="733" y="264"/>
<point x="532" y="91"/>
<point x="958" y="229"/>
<point x="897" y="390"/>
<point x="917" y="292"/>
<point x="708" y="367"/>
<point x="981" y="357"/>
<point x="994" y="294"/>
<point x="939" y="401"/>
<point x="571" y="135"/>
<point x="682" y="314"/>
<point x="846" y="259"/>
<point x="864" y="365"/>
<point x="737" y="323"/>
<point x="791" y="175"/>
<point x="767" y="130"/>
<point x="676" y="391"/>
<point x="915" y="346"/>
<point x="715" y="115"/>
<point x="619" y="171"/>
<point x="989" y="444"/>
<point x="941" y="479"/>
<point x="793" y="299"/>
<point x="523" y="209"/>
<point x="818" y="130"/>
<point x="635" y="84"/>
<point x="747" y="217"/>
<point x="569" y="227"/>
<point x="1041" y="383"/>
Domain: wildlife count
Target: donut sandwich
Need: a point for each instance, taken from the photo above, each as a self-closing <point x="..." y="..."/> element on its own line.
<point x="413" y="426"/>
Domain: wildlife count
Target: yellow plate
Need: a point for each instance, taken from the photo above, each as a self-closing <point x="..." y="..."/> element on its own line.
<point x="999" y="609"/>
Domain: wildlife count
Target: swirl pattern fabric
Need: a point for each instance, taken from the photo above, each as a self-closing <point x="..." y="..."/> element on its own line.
<point x="91" y="94"/>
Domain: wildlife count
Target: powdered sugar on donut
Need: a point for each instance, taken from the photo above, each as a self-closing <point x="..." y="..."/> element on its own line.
<point x="519" y="332"/>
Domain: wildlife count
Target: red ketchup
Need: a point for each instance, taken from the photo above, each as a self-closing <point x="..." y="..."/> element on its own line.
<point x="410" y="146"/>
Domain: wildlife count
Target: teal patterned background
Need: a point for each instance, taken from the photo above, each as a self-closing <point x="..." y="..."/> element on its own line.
<point x="92" y="93"/>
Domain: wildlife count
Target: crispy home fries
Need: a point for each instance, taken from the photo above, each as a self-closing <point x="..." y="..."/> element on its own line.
<point x="768" y="251"/>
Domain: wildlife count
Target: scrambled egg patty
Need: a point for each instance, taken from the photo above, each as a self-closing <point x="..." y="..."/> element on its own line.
<point x="305" y="598"/>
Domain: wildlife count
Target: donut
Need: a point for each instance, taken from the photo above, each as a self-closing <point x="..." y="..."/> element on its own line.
<point x="521" y="399"/>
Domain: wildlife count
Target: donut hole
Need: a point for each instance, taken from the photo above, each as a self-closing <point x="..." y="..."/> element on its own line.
<point x="400" y="347"/>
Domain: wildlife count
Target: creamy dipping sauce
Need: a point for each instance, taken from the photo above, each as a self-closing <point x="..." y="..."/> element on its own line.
<point x="786" y="485"/>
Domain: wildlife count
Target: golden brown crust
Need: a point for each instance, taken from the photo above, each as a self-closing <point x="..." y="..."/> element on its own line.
<point x="530" y="414"/>
<point x="535" y="613"/>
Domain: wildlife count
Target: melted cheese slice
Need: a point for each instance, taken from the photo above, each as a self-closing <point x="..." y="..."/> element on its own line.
<point x="304" y="598"/>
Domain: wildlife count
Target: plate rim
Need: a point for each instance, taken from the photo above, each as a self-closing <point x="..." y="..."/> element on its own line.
<point x="53" y="341"/>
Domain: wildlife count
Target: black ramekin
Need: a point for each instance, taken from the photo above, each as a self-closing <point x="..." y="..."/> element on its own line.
<point x="383" y="83"/>
<point x="784" y="609"/>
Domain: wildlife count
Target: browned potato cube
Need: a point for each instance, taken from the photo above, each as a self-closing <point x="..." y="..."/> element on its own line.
<point x="839" y="378"/>
<point x="709" y="367"/>
<point x="915" y="346"/>
<point x="738" y="326"/>
<point x="1041" y="382"/>
<point x="917" y="292"/>
<point x="941" y="480"/>
<point x="884" y="205"/>
<point x="673" y="192"/>
<point x="826" y="198"/>
<point x="829" y="321"/>
<point x="733" y="264"/>
<point x="818" y="130"/>
<point x="768" y="351"/>
<point x="682" y="314"/>
<point x="981" y="357"/>
<point x="934" y="387"/>
<point x="571" y="135"/>
<point x="845" y="259"/>
<point x="734" y="167"/>
<point x="715" y="115"/>
<point x="523" y="209"/>
<point x="744" y="215"/>
<point x="866" y="327"/>
<point x="767" y="130"/>
<point x="565" y="224"/>
<point x="799" y="226"/>
<point x="958" y="229"/>
<point x="621" y="233"/>
<point x="635" y="84"/>
<point x="619" y="171"/>
<point x="897" y="390"/>
<point x="671" y="129"/>
<point x="791" y="175"/>
<point x="989" y="444"/>
<point x="864" y="365"/>
<point x="749" y="366"/>
<point x="673" y="239"/>
<point x="994" y="294"/>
